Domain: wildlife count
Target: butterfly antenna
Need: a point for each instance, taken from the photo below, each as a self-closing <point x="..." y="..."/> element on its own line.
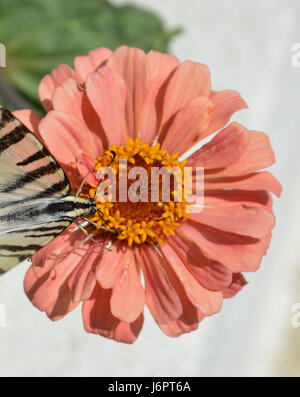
<point x="91" y="171"/>
<point x="84" y="180"/>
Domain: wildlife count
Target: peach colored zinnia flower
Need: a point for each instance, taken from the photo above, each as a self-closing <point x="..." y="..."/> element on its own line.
<point x="189" y="263"/>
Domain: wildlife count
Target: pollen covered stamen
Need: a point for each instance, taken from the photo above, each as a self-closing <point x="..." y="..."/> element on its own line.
<point x="141" y="222"/>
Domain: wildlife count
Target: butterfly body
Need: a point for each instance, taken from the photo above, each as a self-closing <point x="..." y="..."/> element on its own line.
<point x="36" y="202"/>
<point x="43" y="211"/>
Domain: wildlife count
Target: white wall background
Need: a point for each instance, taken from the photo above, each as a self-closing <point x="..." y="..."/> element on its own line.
<point x="247" y="45"/>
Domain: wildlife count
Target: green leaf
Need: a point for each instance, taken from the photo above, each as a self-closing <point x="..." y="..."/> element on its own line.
<point x="40" y="34"/>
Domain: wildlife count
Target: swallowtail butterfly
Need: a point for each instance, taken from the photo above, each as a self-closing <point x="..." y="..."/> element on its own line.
<point x="36" y="202"/>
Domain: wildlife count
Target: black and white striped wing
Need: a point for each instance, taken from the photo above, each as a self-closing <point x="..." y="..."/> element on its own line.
<point x="30" y="179"/>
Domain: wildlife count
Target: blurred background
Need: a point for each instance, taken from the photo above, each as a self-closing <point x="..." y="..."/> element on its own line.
<point x="249" y="46"/>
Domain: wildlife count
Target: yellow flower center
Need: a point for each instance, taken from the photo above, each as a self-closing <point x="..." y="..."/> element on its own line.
<point x="141" y="222"/>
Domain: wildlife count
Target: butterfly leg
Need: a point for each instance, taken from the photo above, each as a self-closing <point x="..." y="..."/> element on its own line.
<point x="89" y="236"/>
<point x="95" y="224"/>
<point x="103" y="227"/>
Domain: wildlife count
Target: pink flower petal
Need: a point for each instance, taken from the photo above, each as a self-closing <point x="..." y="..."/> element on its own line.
<point x="112" y="265"/>
<point x="209" y="302"/>
<point x="228" y="198"/>
<point x="190" y="316"/>
<point x="48" y="84"/>
<point x="92" y="120"/>
<point x="256" y="181"/>
<point x="258" y="155"/>
<point x="69" y="98"/>
<point x="247" y="221"/>
<point x="30" y="119"/>
<point x="46" y="257"/>
<point x="184" y="128"/>
<point x="223" y="150"/>
<point x="161" y="67"/>
<point x="189" y="81"/>
<point x="91" y="62"/>
<point x="96" y="313"/>
<point x="97" y="319"/>
<point x="161" y="297"/>
<point x="225" y="104"/>
<point x="187" y="322"/>
<point x="68" y="242"/>
<point x="82" y="280"/>
<point x="237" y="253"/>
<point x="128" y="295"/>
<point x="209" y="273"/>
<point x="49" y="293"/>
<point x="125" y="332"/>
<point x="106" y="91"/>
<point x="67" y="137"/>
<point x="47" y="281"/>
<point x="179" y="327"/>
<point x="238" y="282"/>
<point x="131" y="64"/>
